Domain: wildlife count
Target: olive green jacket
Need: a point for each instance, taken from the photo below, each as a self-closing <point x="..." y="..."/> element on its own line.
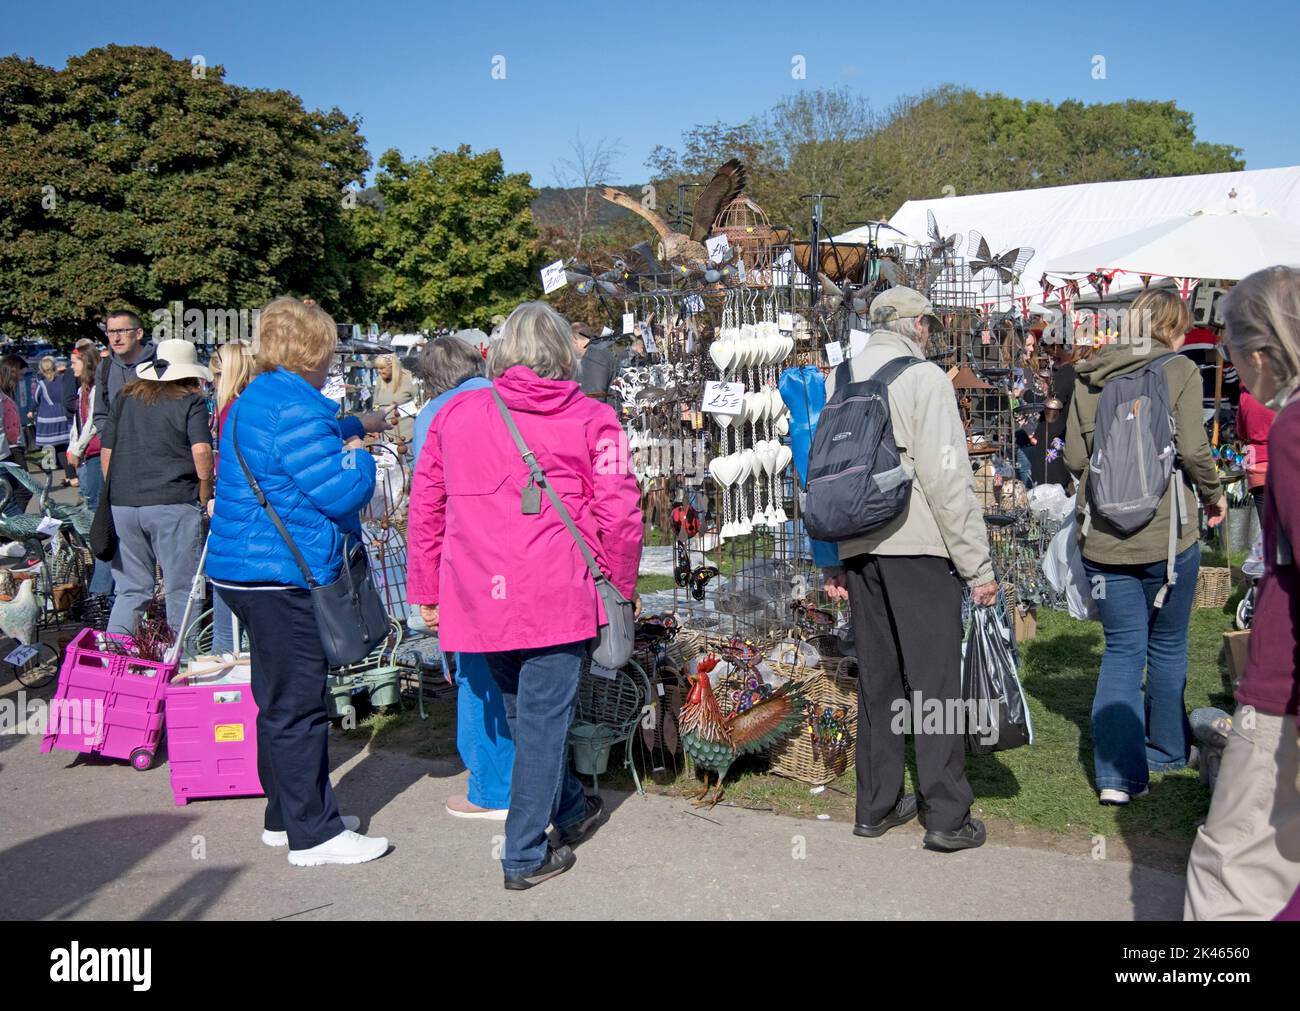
<point x="1194" y="464"/>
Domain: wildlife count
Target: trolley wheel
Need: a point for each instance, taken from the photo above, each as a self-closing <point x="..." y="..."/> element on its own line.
<point x="37" y="670"/>
<point x="142" y="759"/>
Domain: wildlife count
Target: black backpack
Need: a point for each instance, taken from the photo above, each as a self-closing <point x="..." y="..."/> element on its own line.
<point x="856" y="480"/>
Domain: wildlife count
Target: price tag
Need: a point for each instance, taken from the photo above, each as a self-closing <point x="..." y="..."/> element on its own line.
<point x="20" y="655"/>
<point x="553" y="277"/>
<point x="660" y="686"/>
<point x="724" y="398"/>
<point x="719" y="248"/>
<point x="834" y="353"/>
<point x="648" y="338"/>
<point x="785" y="322"/>
<point x="49" y="526"/>
<point x="740" y="270"/>
<point x="857" y="342"/>
<point x="693" y="303"/>
<point x="629" y="322"/>
<point x="603" y="672"/>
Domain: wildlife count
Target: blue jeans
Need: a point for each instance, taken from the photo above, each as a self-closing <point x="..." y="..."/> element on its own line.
<point x="483" y="733"/>
<point x="1024" y="472"/>
<point x="91" y="476"/>
<point x="223" y="636"/>
<point x="540" y="690"/>
<point x="1135" y="734"/>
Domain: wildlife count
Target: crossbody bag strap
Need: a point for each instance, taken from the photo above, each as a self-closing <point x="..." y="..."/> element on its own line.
<point x="539" y="476"/>
<point x="270" y="511"/>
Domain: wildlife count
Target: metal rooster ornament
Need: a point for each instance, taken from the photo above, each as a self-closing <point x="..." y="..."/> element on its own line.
<point x="726" y="184"/>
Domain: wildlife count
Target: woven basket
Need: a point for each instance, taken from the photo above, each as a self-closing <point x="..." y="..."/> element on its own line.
<point x="794" y="757"/>
<point x="1213" y="587"/>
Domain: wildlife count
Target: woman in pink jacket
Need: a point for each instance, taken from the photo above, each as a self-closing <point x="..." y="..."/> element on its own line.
<point x="494" y="569"/>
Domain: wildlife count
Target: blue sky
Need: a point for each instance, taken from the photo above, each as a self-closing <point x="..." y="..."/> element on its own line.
<point x="419" y="74"/>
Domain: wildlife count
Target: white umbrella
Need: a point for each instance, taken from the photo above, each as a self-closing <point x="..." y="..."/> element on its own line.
<point x="1211" y="244"/>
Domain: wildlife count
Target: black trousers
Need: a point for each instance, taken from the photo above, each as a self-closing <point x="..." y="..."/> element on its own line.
<point x="289" y="671"/>
<point x="907" y="627"/>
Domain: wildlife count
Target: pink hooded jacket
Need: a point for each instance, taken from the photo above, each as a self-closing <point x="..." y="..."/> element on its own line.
<point x="503" y="580"/>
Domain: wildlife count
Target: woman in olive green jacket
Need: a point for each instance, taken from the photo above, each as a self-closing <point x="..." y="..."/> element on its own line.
<point x="1135" y="735"/>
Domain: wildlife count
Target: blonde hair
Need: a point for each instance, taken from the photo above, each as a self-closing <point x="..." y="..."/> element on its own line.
<point x="294" y="335"/>
<point x="1262" y="313"/>
<point x="47" y="367"/>
<point x="1160" y="314"/>
<point x="232" y="368"/>
<point x="537" y="337"/>
<point x="391" y="384"/>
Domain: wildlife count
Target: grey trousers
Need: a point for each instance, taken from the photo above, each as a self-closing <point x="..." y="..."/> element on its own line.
<point x="165" y="536"/>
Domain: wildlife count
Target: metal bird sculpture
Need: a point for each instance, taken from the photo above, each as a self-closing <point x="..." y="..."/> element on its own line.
<point x="725" y="186"/>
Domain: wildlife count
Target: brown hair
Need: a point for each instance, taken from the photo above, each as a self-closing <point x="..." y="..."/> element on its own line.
<point x="1159" y="314"/>
<point x="12" y="368"/>
<point x="90" y="359"/>
<point x="150" y="392"/>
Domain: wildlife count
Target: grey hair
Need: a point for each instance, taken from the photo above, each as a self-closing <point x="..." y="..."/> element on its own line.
<point x="537" y="337"/>
<point x="905" y="327"/>
<point x="1262" y="313"/>
<point x="445" y="363"/>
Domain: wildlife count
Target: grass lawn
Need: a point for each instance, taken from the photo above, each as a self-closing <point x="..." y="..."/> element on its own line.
<point x="1042" y="793"/>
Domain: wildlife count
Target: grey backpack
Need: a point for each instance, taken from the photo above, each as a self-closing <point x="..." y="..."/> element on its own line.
<point x="1133" y="457"/>
<point x="856" y="479"/>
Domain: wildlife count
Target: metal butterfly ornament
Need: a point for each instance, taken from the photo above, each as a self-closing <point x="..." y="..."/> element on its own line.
<point x="1006" y="266"/>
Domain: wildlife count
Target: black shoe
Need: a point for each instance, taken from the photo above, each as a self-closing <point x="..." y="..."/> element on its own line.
<point x="557" y="862"/>
<point x="904" y="811"/>
<point x="968" y="837"/>
<point x="575" y="834"/>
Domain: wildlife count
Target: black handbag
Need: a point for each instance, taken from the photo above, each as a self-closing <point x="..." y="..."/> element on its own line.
<point x="103" y="534"/>
<point x="349" y="614"/>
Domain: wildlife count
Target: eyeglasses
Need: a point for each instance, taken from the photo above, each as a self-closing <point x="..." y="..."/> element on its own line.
<point x="129" y="329"/>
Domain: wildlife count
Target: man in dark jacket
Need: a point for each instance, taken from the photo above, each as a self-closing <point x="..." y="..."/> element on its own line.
<point x="129" y="349"/>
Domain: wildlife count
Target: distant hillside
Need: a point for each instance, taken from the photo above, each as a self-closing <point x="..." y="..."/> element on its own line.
<point x="549" y="209"/>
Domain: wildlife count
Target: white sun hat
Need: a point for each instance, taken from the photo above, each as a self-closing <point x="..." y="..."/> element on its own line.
<point x="175" y="359"/>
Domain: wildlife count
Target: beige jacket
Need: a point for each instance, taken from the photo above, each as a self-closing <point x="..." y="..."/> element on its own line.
<point x="943" y="517"/>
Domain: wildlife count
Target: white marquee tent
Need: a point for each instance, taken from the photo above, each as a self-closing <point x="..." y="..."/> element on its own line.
<point x="1060" y="220"/>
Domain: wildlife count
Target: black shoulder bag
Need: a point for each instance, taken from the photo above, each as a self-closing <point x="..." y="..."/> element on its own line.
<point x="349" y="614"/>
<point x="103" y="534"/>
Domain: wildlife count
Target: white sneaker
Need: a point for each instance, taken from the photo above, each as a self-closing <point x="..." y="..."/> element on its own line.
<point x="350" y="822"/>
<point x="345" y="848"/>
<point x="1118" y="798"/>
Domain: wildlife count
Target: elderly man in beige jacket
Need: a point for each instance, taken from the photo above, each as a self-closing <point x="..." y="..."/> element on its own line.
<point x="904" y="582"/>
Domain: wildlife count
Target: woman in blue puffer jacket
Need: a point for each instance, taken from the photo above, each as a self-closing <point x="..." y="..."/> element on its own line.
<point x="292" y="443"/>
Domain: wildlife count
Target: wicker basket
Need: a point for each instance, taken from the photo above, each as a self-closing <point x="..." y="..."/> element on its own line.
<point x="1213" y="587"/>
<point x="794" y="757"/>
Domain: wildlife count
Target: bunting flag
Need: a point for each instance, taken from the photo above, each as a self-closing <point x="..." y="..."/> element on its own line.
<point x="1146" y="280"/>
<point x="1023" y="302"/>
<point x="1185" y="286"/>
<point x="1047" y="286"/>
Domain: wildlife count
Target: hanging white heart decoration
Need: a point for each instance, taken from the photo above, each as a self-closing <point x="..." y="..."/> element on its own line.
<point x="722" y="352"/>
<point x="725" y="469"/>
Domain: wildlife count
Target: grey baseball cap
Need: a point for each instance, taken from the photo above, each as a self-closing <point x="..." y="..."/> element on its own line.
<point x="902" y="303"/>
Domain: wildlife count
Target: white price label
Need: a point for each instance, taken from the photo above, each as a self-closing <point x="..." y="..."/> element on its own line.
<point x="553" y="277"/>
<point x="648" y="338"/>
<point x="834" y="353"/>
<point x="719" y="248"/>
<point x="785" y="322"/>
<point x="629" y="322"/>
<point x="49" y="526"/>
<point x="724" y="398"/>
<point x="740" y="270"/>
<point x="21" y="655"/>
<point x="857" y="342"/>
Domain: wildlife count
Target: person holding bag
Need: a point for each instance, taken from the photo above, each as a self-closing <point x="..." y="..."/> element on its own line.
<point x="525" y="561"/>
<point x="286" y="533"/>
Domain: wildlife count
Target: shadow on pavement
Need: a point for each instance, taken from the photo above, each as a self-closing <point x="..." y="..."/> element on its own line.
<point x="54" y="876"/>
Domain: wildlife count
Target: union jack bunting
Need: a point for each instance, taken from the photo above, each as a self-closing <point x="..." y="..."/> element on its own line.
<point x="1185" y="286"/>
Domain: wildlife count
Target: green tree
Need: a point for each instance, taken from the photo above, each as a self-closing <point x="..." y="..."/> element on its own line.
<point x="130" y="178"/>
<point x="455" y="242"/>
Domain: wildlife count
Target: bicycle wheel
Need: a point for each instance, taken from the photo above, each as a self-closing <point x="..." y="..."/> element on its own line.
<point x="34" y="666"/>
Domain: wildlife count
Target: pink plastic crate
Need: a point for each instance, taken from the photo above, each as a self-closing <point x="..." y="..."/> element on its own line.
<point x="212" y="741"/>
<point x="107" y="704"/>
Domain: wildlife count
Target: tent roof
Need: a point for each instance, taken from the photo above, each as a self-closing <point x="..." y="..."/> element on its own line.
<point x="1061" y="219"/>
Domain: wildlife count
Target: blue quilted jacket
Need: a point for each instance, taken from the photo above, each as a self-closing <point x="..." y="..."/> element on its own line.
<point x="294" y="447"/>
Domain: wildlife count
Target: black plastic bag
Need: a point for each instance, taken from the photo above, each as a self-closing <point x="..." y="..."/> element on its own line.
<point x="996" y="711"/>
